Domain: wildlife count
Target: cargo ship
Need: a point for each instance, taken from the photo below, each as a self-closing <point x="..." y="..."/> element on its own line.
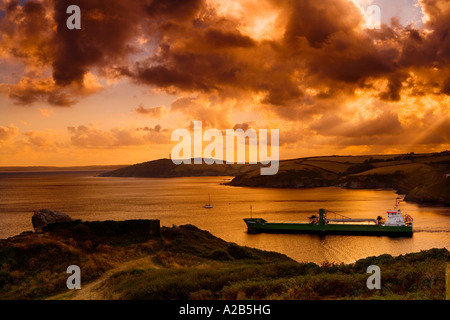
<point x="397" y="225"/>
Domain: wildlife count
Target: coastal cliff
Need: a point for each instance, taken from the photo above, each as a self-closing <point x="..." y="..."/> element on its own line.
<point x="423" y="178"/>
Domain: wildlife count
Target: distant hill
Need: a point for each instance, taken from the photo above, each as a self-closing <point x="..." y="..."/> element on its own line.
<point x="419" y="176"/>
<point x="164" y="168"/>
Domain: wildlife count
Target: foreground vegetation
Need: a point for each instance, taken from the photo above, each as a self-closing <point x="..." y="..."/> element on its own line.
<point x="189" y="263"/>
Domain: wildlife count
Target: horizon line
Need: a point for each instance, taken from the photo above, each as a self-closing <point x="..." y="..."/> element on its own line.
<point x="224" y="160"/>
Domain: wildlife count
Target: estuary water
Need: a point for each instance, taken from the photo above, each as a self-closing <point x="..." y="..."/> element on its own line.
<point x="178" y="201"/>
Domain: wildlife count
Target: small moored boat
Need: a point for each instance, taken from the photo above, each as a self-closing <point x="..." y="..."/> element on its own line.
<point x="208" y="206"/>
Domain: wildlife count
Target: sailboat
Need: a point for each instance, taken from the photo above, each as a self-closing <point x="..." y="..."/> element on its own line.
<point x="208" y="206"/>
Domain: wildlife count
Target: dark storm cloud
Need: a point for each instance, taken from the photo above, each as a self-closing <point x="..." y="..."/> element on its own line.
<point x="107" y="29"/>
<point x="322" y="47"/>
<point x="446" y="87"/>
<point x="316" y="21"/>
<point x="195" y="49"/>
<point x="166" y="76"/>
<point x="224" y="39"/>
<point x="179" y="10"/>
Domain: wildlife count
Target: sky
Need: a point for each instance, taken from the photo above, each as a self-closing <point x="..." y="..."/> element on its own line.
<point x="114" y="91"/>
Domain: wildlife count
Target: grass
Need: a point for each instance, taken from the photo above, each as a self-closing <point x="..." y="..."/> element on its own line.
<point x="413" y="276"/>
<point x="341" y="159"/>
<point x="189" y="263"/>
<point x="333" y="166"/>
<point x="33" y="266"/>
<point x="406" y="168"/>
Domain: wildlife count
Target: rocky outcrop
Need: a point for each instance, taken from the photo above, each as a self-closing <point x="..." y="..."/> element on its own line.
<point x="372" y="181"/>
<point x="313" y="178"/>
<point x="44" y="217"/>
<point x="437" y="193"/>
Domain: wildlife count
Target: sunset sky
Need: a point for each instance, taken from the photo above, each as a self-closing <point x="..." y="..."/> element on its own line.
<point x="113" y="92"/>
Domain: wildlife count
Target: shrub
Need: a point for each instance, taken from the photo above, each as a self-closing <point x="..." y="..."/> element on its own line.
<point x="221" y="255"/>
<point x="239" y="252"/>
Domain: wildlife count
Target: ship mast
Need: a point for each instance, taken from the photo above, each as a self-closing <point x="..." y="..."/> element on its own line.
<point x="397" y="201"/>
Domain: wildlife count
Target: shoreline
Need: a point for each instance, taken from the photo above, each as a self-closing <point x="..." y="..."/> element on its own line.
<point x="423" y="178"/>
<point x="99" y="173"/>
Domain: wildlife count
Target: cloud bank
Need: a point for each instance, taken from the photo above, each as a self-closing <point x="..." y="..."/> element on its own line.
<point x="304" y="64"/>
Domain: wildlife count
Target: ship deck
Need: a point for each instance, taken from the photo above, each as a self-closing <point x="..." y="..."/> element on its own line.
<point x="258" y="225"/>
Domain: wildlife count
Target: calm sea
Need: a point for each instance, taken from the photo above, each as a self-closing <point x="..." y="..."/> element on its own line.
<point x="180" y="201"/>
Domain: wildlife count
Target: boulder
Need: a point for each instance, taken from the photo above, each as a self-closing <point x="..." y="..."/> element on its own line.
<point x="44" y="217"/>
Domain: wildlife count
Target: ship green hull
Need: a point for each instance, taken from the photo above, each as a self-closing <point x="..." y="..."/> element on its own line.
<point x="258" y="225"/>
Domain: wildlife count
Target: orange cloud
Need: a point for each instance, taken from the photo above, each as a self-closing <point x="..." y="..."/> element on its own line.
<point x="92" y="137"/>
<point x="38" y="139"/>
<point x="45" y="112"/>
<point x="8" y="133"/>
<point x="153" y="112"/>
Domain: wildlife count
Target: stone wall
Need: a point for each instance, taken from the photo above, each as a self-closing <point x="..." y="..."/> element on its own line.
<point x="109" y="232"/>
